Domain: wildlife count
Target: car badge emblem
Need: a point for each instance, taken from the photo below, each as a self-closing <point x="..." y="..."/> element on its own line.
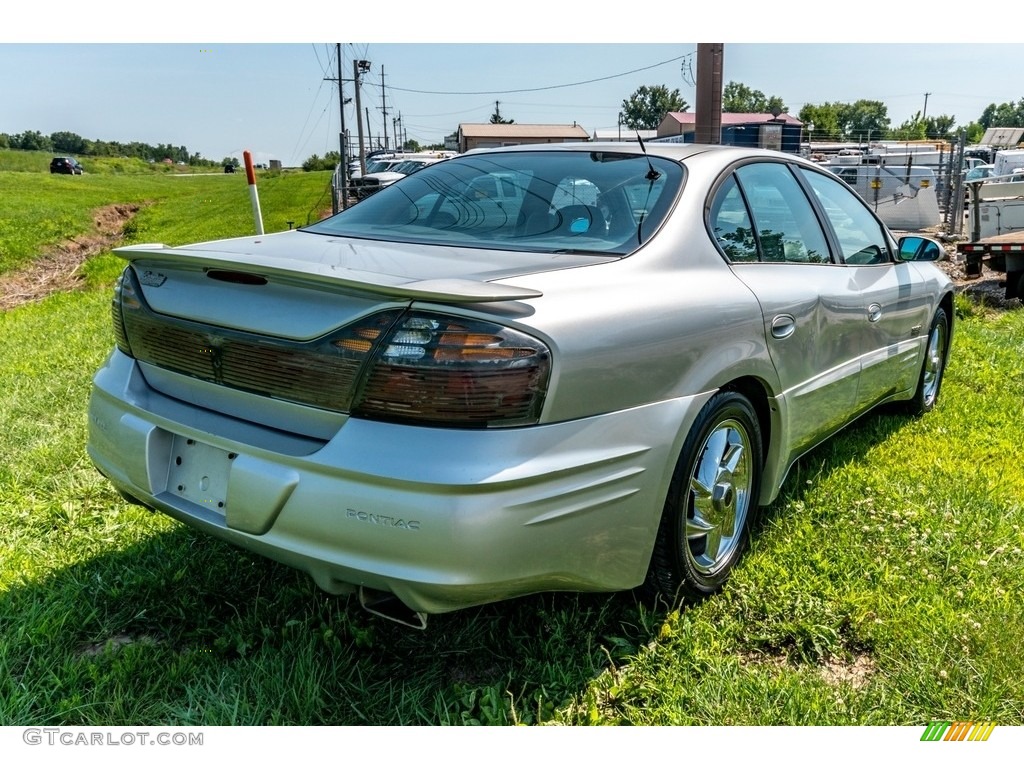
<point x="154" y="279"/>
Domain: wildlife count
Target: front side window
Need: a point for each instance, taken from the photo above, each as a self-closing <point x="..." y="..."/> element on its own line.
<point x="860" y="236"/>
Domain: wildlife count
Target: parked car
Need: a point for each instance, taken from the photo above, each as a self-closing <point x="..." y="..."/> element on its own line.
<point x="66" y="165"/>
<point x="387" y="172"/>
<point x="469" y="387"/>
<point x="986" y="175"/>
<point x="979" y="172"/>
<point x="376" y="165"/>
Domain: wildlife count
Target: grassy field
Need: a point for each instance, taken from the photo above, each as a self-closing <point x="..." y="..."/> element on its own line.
<point x="39" y="162"/>
<point x="882" y="588"/>
<point x="38" y="209"/>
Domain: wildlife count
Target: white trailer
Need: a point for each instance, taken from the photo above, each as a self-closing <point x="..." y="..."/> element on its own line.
<point x="903" y="197"/>
<point x="1007" y="161"/>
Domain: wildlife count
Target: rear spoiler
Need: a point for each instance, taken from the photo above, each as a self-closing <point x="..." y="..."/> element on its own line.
<point x="445" y="290"/>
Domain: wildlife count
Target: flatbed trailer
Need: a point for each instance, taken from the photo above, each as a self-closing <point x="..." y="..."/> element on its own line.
<point x="1004" y="253"/>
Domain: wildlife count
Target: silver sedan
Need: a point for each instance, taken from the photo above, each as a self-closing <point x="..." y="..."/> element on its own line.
<point x="568" y="367"/>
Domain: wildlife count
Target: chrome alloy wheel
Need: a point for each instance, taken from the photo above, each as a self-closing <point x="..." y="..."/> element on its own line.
<point x="934" y="363"/>
<point x="720" y="496"/>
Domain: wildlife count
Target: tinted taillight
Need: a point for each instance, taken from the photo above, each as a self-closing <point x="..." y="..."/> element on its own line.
<point x="421" y="368"/>
<point x="125" y="297"/>
<point x="321" y="373"/>
<point x="447" y="371"/>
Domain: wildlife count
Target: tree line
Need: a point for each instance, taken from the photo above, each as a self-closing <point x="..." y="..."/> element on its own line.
<point x="862" y="120"/>
<point x="70" y="143"/>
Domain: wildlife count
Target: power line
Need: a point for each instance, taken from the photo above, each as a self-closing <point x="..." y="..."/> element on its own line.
<point x="485" y="105"/>
<point x="300" y="141"/>
<point x="542" y="88"/>
<point x="323" y="67"/>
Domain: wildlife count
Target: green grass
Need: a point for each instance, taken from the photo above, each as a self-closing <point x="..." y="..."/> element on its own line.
<point x="882" y="588"/>
<point x="39" y="162"/>
<point x="38" y="210"/>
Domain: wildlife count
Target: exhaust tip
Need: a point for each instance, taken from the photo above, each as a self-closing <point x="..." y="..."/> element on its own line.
<point x="387" y="606"/>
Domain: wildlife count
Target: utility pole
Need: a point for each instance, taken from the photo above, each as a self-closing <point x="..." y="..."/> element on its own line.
<point x="342" y="137"/>
<point x="924" y="114"/>
<point x="709" y="93"/>
<point x="359" y="66"/>
<point x="384" y="107"/>
<point x="344" y="154"/>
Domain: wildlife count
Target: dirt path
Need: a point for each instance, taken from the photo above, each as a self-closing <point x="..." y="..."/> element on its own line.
<point x="58" y="268"/>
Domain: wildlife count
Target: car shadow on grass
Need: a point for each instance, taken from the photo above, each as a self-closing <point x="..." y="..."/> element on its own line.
<point x="181" y="628"/>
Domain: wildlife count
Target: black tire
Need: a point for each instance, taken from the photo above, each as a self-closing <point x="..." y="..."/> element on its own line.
<point x="929" y="382"/>
<point x="711" y="504"/>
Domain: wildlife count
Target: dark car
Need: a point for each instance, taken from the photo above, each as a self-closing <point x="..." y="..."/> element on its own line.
<point x="66" y="165"/>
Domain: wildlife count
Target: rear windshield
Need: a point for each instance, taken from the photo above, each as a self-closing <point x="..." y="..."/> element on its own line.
<point x="577" y="201"/>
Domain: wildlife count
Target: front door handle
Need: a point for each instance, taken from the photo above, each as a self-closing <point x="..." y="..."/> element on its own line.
<point x="874" y="313"/>
<point x="783" y="326"/>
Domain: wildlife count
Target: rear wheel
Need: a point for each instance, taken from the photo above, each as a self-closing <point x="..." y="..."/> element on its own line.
<point x="930" y="381"/>
<point x="711" y="502"/>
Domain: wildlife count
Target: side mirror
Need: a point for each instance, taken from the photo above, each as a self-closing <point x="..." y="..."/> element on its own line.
<point x="914" y="248"/>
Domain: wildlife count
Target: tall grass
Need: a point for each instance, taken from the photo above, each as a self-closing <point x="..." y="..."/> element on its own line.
<point x="883" y="587"/>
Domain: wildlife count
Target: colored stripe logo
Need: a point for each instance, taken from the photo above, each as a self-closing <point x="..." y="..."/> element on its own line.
<point x="944" y="730"/>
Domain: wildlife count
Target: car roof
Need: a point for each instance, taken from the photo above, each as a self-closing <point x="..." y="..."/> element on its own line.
<point x="669" y="150"/>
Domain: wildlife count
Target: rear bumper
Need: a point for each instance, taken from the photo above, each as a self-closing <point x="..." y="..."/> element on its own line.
<point x="441" y="518"/>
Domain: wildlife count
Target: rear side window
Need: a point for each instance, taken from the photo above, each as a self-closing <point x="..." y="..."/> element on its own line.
<point x="731" y="225"/>
<point x="786" y="225"/>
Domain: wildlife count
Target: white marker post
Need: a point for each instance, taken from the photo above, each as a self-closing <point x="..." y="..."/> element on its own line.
<point x="250" y="174"/>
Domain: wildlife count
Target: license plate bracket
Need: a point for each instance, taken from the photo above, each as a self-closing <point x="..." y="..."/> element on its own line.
<point x="199" y="473"/>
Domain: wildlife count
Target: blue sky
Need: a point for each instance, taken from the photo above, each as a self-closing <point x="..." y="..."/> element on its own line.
<point x="260" y="85"/>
